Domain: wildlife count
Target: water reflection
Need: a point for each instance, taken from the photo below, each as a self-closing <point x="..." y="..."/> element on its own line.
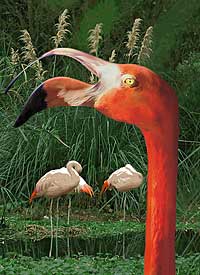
<point x="125" y="245"/>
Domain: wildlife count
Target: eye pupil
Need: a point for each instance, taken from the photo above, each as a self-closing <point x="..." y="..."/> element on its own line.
<point x="129" y="81"/>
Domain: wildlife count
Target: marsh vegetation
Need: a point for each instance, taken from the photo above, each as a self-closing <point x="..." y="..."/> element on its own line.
<point x="163" y="35"/>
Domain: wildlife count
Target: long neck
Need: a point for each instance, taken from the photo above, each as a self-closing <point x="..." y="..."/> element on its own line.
<point x="161" y="202"/>
<point x="74" y="168"/>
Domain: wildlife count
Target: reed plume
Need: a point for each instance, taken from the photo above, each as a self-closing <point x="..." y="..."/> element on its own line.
<point x="15" y="58"/>
<point x="92" y="79"/>
<point x="145" y="50"/>
<point x="62" y="28"/>
<point x="113" y="55"/>
<point x="133" y="37"/>
<point x="29" y="54"/>
<point x="94" y="38"/>
<point x="28" y="51"/>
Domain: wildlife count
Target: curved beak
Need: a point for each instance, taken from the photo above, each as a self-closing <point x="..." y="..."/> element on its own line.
<point x="86" y="188"/>
<point x="65" y="91"/>
<point x="104" y="187"/>
<point x="109" y="74"/>
<point x="33" y="195"/>
<point x="92" y="63"/>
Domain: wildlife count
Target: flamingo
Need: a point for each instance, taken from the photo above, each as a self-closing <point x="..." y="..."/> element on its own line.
<point x="136" y="95"/>
<point x="59" y="182"/>
<point x="123" y="179"/>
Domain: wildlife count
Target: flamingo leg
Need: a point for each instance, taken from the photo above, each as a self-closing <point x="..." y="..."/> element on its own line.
<point x="124" y="218"/>
<point x="124" y="240"/>
<point x="68" y="246"/>
<point x="51" y="220"/>
<point x="57" y="219"/>
<point x="124" y="207"/>
<point x="69" y="209"/>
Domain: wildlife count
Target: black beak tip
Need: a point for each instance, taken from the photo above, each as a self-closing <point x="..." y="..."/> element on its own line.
<point x="8" y="88"/>
<point x="6" y="91"/>
<point x="11" y="83"/>
<point x="34" y="104"/>
<point x="19" y="121"/>
<point x="16" y="124"/>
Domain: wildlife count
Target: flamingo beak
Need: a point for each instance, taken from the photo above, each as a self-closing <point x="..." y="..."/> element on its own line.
<point x="92" y="63"/>
<point x="33" y="195"/>
<point x="109" y="74"/>
<point x="104" y="187"/>
<point x="86" y="188"/>
<point x="60" y="92"/>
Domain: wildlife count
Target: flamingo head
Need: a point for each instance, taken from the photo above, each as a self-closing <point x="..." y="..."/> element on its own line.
<point x="124" y="92"/>
<point x="33" y="196"/>
<point x="105" y="187"/>
<point x="84" y="187"/>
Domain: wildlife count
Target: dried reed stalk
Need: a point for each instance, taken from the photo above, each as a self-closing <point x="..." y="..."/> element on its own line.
<point x="145" y="50"/>
<point x="92" y="79"/>
<point x="14" y="57"/>
<point x="113" y="55"/>
<point x="29" y="54"/>
<point x="94" y="38"/>
<point x="62" y="28"/>
<point x="133" y="37"/>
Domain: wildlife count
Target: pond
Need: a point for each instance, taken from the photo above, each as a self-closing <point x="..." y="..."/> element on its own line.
<point x="125" y="245"/>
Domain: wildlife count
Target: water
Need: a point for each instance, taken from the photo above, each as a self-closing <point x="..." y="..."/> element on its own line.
<point x="126" y="245"/>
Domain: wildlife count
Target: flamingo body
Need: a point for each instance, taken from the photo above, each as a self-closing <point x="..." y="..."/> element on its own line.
<point x="124" y="179"/>
<point x="59" y="182"/>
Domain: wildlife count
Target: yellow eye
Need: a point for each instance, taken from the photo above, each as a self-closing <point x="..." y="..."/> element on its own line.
<point x="129" y="81"/>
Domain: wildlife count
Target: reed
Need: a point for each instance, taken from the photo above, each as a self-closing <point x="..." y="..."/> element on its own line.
<point x="62" y="28"/>
<point x="95" y="36"/>
<point x="94" y="40"/>
<point x="15" y="58"/>
<point x="113" y="56"/>
<point x="146" y="50"/>
<point x="29" y="54"/>
<point x="54" y="136"/>
<point x="133" y="37"/>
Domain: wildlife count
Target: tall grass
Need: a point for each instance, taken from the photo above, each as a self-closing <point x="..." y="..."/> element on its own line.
<point x="51" y="138"/>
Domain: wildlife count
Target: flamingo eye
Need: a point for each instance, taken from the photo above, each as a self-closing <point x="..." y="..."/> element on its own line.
<point x="129" y="81"/>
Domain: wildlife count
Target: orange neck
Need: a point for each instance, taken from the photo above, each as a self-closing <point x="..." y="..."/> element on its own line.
<point x="161" y="203"/>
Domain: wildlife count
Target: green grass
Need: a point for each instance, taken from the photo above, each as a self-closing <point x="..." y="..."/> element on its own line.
<point x="37" y="230"/>
<point x="53" y="137"/>
<point x="101" y="145"/>
<point x="90" y="265"/>
<point x="87" y="223"/>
